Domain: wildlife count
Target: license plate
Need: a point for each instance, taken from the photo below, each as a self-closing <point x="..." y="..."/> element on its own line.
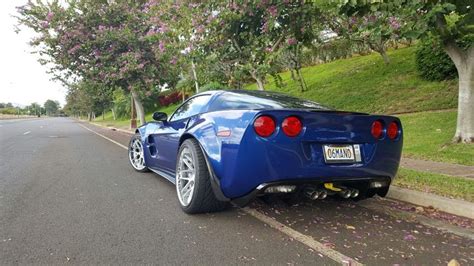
<point x="339" y="153"/>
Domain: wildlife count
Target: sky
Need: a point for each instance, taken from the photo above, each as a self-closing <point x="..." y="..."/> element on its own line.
<point x="23" y="80"/>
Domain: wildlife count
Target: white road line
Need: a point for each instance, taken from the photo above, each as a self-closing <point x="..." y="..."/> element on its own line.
<point x="111" y="140"/>
<point x="27" y="132"/>
<point x="304" y="239"/>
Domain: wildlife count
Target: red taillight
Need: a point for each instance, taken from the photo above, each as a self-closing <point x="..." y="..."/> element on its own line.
<point x="264" y="126"/>
<point x="377" y="129"/>
<point x="392" y="130"/>
<point x="292" y="126"/>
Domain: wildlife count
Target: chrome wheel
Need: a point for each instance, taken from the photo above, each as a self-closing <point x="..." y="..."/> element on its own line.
<point x="136" y="155"/>
<point x="185" y="177"/>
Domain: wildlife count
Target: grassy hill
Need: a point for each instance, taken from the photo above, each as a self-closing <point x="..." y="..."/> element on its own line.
<point x="366" y="84"/>
<point x="428" y="136"/>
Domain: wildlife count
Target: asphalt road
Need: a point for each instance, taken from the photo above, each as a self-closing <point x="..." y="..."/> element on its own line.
<point x="68" y="195"/>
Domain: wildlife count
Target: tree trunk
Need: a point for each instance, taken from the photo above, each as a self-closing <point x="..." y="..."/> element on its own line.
<point x="301" y="80"/>
<point x="292" y="74"/>
<point x="139" y="107"/>
<point x="380" y="48"/>
<point x="465" y="121"/>
<point x="384" y="55"/>
<point x="113" y="113"/>
<point x="259" y="81"/>
<point x="196" y="84"/>
<point x="464" y="62"/>
<point x="103" y="114"/>
<point x="260" y="84"/>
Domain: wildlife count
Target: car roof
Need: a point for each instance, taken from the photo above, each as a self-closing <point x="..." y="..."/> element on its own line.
<point x="270" y="99"/>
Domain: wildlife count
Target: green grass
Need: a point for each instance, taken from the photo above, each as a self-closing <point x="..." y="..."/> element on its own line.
<point x="428" y="136"/>
<point x="443" y="185"/>
<point x="366" y="84"/>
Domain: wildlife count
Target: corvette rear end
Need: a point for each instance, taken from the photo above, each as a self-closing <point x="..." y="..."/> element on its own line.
<point x="317" y="153"/>
<point x="232" y="146"/>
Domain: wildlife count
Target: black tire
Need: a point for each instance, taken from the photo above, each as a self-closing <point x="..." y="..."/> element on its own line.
<point x="136" y="137"/>
<point x="203" y="199"/>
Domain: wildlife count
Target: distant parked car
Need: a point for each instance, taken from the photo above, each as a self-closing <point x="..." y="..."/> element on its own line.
<point x="232" y="146"/>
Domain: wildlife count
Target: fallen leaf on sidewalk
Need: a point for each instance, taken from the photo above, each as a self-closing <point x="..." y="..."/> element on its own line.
<point x="453" y="262"/>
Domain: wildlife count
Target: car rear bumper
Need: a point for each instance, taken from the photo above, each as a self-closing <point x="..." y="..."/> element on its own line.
<point x="244" y="169"/>
<point x="363" y="184"/>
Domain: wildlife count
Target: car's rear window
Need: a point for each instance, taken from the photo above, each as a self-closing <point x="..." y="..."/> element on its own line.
<point x="261" y="100"/>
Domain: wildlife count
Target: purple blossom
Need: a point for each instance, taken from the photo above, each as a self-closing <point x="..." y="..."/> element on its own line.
<point x="49" y="17"/>
<point x="352" y="21"/>
<point x="150" y="32"/>
<point x="74" y="49"/>
<point x="272" y="10"/>
<point x="200" y="29"/>
<point x="102" y="28"/>
<point x="291" y="41"/>
<point x="265" y="27"/>
<point x="163" y="28"/>
<point x="161" y="46"/>
<point x="174" y="60"/>
<point x="394" y="23"/>
<point x="268" y="49"/>
<point x="97" y="53"/>
<point x="123" y="69"/>
<point x="44" y="24"/>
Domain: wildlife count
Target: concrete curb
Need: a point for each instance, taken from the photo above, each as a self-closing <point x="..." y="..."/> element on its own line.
<point x="453" y="206"/>
<point x="131" y="132"/>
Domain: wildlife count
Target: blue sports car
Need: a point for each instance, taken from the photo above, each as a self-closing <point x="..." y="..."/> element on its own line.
<point x="232" y="146"/>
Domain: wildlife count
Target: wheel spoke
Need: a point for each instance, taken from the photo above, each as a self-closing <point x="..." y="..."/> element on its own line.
<point x="186" y="187"/>
<point x="188" y="163"/>
<point x="186" y="172"/>
<point x="136" y="154"/>
<point x="187" y="193"/>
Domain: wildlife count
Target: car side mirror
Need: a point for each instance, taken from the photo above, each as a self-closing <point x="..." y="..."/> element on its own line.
<point x="160" y="116"/>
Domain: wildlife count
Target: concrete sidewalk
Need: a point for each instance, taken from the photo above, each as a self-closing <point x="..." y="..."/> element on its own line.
<point x="438" y="167"/>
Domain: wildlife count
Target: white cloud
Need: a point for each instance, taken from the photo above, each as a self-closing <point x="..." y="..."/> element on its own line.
<point x="22" y="79"/>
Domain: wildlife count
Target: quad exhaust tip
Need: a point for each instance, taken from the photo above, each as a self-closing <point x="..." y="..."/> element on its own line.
<point x="314" y="193"/>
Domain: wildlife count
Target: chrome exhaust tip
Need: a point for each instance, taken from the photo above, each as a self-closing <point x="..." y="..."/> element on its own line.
<point x="323" y="194"/>
<point x="312" y="193"/>
<point x="309" y="192"/>
<point x="345" y="193"/>
<point x="354" y="193"/>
